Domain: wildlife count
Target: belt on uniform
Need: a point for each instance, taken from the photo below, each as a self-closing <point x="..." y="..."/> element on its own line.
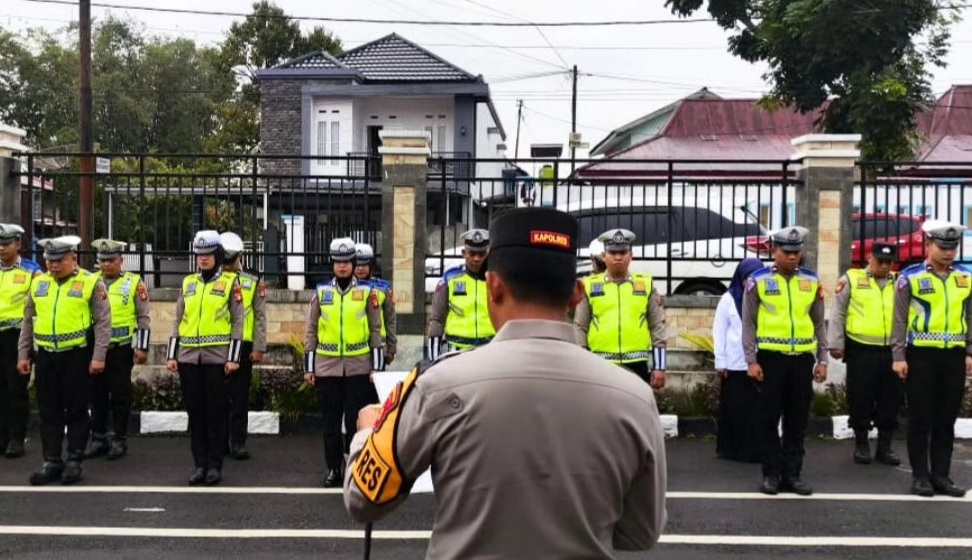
<point x="782" y="353"/>
<point x="120" y="344"/>
<point x="624" y="356"/>
<point x="10" y="324"/>
<point x="467" y="341"/>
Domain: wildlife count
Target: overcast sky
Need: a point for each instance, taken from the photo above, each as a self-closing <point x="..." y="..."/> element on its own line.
<point x="636" y="69"/>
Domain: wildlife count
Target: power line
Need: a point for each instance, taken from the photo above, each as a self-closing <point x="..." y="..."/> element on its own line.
<point x="508" y="16"/>
<point x="608" y="23"/>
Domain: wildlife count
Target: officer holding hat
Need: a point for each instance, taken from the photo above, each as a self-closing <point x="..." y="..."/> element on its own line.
<point x="785" y="344"/>
<point x="130" y="335"/>
<point x="343" y="348"/>
<point x="531" y="403"/>
<point x="16" y="276"/>
<point x="460" y="311"/>
<point x="364" y="262"/>
<point x="205" y="348"/>
<point x="621" y="317"/>
<point x="860" y="333"/>
<point x="254" y="342"/>
<point x="932" y="347"/>
<point x="66" y="332"/>
<point x="596" y="251"/>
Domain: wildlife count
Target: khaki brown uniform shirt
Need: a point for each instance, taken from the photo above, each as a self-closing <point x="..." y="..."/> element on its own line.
<point x="655" y="312"/>
<point x="100" y="322"/>
<point x="538" y="449"/>
<point x="899" y="327"/>
<point x="838" y="314"/>
<point x="259" y="315"/>
<point x="213" y="355"/>
<point x="336" y="366"/>
<point x="751" y="310"/>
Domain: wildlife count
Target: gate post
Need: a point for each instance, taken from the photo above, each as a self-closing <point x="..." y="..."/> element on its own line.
<point x="403" y="242"/>
<point x="10" y="197"/>
<point x="825" y="202"/>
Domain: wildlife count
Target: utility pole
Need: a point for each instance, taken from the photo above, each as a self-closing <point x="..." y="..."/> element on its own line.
<point x="519" y="117"/>
<point x="86" y="213"/>
<point x="573" y="120"/>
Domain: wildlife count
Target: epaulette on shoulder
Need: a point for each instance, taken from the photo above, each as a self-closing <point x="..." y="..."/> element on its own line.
<point x="767" y="271"/>
<point x="423" y="365"/>
<point x="807" y="272"/>
<point x="249" y="275"/>
<point x="29" y="265"/>
<point x="454" y="271"/>
<point x="380" y="283"/>
<point x="913" y="269"/>
<point x="962" y="267"/>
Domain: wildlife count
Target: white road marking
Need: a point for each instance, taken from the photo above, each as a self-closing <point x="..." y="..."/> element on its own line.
<point x="257" y="490"/>
<point x="145" y="510"/>
<point x="830" y="541"/>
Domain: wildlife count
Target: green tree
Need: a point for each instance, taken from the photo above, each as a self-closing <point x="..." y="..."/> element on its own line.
<point x="866" y="65"/>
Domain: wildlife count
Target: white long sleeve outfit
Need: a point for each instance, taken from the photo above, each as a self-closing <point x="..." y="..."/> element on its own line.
<point x="727" y="336"/>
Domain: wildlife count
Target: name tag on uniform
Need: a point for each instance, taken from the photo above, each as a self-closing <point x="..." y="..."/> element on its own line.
<point x="220" y="288"/>
<point x="639" y="288"/>
<point x="772" y="287"/>
<point x="597" y="289"/>
<point x="925" y="286"/>
<point x="43" y="288"/>
<point x="460" y="289"/>
<point x="191" y="289"/>
<point x="863" y="283"/>
<point x="328" y="298"/>
<point x="357" y="295"/>
<point x="77" y="289"/>
<point x="962" y="281"/>
<point x="20" y="278"/>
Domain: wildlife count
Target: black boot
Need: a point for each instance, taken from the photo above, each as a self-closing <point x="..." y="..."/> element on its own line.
<point x="213" y="476"/>
<point x="862" y="449"/>
<point x="334" y="478"/>
<point x="884" y="453"/>
<point x="770" y="485"/>
<point x="944" y="485"/>
<point x="197" y="477"/>
<point x="72" y="471"/>
<point x="15" y="448"/>
<point x="50" y="472"/>
<point x="97" y="447"/>
<point x="239" y="452"/>
<point x="118" y="449"/>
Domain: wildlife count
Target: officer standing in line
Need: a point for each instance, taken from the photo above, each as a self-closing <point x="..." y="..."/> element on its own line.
<point x="460" y="310"/>
<point x="932" y="347"/>
<point x="864" y="309"/>
<point x="782" y="329"/>
<point x="530" y="422"/>
<point x="364" y="262"/>
<point x="254" y="342"/>
<point x="343" y="347"/>
<point x="16" y="275"/>
<point x="130" y="335"/>
<point x="67" y="319"/>
<point x="204" y="349"/>
<point x="621" y="317"/>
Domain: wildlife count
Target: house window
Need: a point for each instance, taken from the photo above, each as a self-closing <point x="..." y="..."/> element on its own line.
<point x="335" y="141"/>
<point x="321" y="137"/>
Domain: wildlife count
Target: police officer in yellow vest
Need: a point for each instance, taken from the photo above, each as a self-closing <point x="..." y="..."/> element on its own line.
<point x="860" y="333"/>
<point x="66" y="331"/>
<point x="254" y="342"/>
<point x="621" y="317"/>
<point x="130" y="332"/>
<point x="785" y="343"/>
<point x="205" y="348"/>
<point x="343" y="347"/>
<point x="932" y="347"/>
<point x="16" y="275"/>
<point x="364" y="261"/>
<point x="460" y="310"/>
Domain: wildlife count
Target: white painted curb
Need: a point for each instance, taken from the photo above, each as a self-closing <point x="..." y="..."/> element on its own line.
<point x="158" y="422"/>
<point x="843" y="431"/>
<point x="670" y="425"/>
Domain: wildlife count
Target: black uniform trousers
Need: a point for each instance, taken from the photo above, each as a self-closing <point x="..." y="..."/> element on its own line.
<point x="874" y="392"/>
<point x="239" y="397"/>
<point x="787" y="390"/>
<point x="14" y="399"/>
<point x="111" y="392"/>
<point x="934" y="387"/>
<point x="342" y="397"/>
<point x="62" y="400"/>
<point x="737" y="435"/>
<point x="206" y="394"/>
<point x="639" y="368"/>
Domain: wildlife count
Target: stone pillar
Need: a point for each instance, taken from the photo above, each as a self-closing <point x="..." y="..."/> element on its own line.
<point x="10" y="197"/>
<point x="825" y="202"/>
<point x="403" y="214"/>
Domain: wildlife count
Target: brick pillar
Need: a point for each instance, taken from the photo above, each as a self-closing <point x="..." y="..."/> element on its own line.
<point x="825" y="202"/>
<point x="403" y="210"/>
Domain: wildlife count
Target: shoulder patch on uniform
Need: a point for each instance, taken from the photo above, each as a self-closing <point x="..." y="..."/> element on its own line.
<point x="841" y="284"/>
<point x="142" y="291"/>
<point x="262" y="289"/>
<point x="750" y="283"/>
<point x="903" y="282"/>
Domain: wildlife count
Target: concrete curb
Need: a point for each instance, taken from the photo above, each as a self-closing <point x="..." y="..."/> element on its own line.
<point x="177" y="422"/>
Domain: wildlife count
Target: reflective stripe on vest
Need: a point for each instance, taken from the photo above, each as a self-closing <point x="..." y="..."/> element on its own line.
<point x="121" y="295"/>
<point x="783" y="323"/>
<point x="248" y="285"/>
<point x="936" y="318"/>
<point x="869" y="302"/>
<point x="63" y="310"/>
<point x="206" y="319"/>
<point x="343" y="330"/>
<point x="619" y="317"/>
<point x="14" y="287"/>
<point x="468" y="317"/>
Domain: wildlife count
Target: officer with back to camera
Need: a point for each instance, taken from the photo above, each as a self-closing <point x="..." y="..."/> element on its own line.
<point x="364" y="262"/>
<point x="932" y="347"/>
<point x="130" y="335"/>
<point x="460" y="312"/>
<point x="621" y="317"/>
<point x="563" y="451"/>
<point x="16" y="277"/>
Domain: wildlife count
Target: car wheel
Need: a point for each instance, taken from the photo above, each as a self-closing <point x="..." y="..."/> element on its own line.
<point x="701" y="289"/>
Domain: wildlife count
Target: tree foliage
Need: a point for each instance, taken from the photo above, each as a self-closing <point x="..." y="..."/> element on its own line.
<point x="865" y="65"/>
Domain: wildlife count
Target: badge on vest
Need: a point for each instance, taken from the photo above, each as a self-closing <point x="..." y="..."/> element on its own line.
<point x="805" y="286"/>
<point x="43" y="288"/>
<point x="77" y="289"/>
<point x="863" y="282"/>
<point x="962" y="281"/>
<point x="220" y="288"/>
<point x="925" y="286"/>
<point x="772" y="287"/>
<point x="639" y="289"/>
<point x="597" y="289"/>
<point x="357" y="295"/>
<point x="460" y="288"/>
<point x="191" y="289"/>
<point x="328" y="298"/>
<point x="20" y="278"/>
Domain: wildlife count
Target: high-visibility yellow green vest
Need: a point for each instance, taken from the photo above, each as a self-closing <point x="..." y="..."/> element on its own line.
<point x="14" y="287"/>
<point x="343" y="329"/>
<point x="248" y="285"/>
<point x="63" y="310"/>
<point x="121" y="295"/>
<point x="206" y="320"/>
<point x="619" y="331"/>
<point x="870" y="310"/>
<point x="936" y="318"/>
<point x="468" y="324"/>
<point x="783" y="323"/>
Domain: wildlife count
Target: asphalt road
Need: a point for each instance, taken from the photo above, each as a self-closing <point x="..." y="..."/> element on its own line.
<point x="274" y="507"/>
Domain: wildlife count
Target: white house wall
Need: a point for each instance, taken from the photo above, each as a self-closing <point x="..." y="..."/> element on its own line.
<point x="408" y="113"/>
<point x="326" y="114"/>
